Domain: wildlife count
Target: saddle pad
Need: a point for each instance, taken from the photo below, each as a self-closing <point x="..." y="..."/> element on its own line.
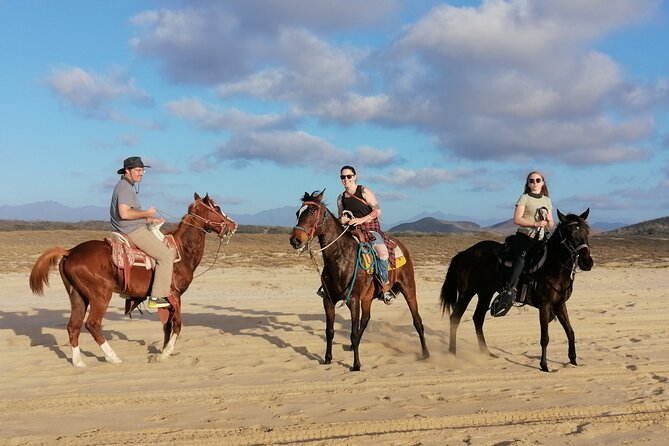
<point x="400" y="260"/>
<point x="125" y="254"/>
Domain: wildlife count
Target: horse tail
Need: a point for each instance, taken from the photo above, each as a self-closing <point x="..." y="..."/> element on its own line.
<point x="39" y="276"/>
<point x="449" y="290"/>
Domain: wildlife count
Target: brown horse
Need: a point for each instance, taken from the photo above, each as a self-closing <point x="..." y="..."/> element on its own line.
<point x="476" y="271"/>
<point x="90" y="277"/>
<point x="344" y="278"/>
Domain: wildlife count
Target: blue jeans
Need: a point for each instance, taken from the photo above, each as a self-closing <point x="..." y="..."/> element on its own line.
<point x="382" y="268"/>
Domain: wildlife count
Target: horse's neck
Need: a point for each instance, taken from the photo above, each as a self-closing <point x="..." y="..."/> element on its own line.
<point x="191" y="242"/>
<point x="559" y="260"/>
<point x="340" y="250"/>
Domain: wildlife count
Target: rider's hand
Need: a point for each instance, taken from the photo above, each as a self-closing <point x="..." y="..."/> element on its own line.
<point x="150" y="212"/>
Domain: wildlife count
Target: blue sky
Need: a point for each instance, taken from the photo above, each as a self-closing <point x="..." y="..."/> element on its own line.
<point x="441" y="106"/>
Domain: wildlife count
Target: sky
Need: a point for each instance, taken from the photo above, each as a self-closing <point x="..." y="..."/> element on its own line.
<point x="440" y="106"/>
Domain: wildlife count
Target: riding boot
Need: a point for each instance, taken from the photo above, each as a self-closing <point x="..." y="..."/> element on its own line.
<point x="504" y="300"/>
<point x="382" y="272"/>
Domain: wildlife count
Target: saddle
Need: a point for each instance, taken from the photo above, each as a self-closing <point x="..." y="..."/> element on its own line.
<point x="534" y="259"/>
<point x="368" y="258"/>
<point x="126" y="255"/>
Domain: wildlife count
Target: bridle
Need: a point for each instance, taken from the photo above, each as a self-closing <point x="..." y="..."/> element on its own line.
<point x="223" y="225"/>
<point x="310" y="233"/>
<point x="564" y="240"/>
<point x="573" y="250"/>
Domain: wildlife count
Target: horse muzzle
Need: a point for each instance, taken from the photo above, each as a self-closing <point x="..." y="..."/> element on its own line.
<point x="585" y="262"/>
<point x="227" y="229"/>
<point x="297" y="242"/>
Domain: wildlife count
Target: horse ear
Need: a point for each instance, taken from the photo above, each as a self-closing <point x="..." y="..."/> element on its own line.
<point x="561" y="216"/>
<point x="585" y="214"/>
<point x="206" y="197"/>
<point x="196" y="196"/>
<point x="319" y="195"/>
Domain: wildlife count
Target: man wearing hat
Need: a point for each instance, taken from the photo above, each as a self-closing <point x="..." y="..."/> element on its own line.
<point x="128" y="218"/>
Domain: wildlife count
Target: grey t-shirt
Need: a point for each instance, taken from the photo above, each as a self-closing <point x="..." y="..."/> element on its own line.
<point x="124" y="193"/>
<point x="536" y="209"/>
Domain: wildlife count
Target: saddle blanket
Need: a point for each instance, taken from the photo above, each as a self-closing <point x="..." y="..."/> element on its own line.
<point x="125" y="254"/>
<point x="368" y="258"/>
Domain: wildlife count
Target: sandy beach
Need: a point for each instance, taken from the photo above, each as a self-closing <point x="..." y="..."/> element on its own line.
<point x="248" y="366"/>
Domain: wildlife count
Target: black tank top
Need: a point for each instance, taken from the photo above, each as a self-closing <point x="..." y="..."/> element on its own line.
<point x="357" y="206"/>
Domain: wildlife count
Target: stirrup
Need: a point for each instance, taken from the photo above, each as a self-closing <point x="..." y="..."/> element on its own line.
<point x="502" y="303"/>
<point x="388" y="297"/>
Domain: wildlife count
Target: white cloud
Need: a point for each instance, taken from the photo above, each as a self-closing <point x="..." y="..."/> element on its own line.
<point x="214" y="118"/>
<point x="93" y="94"/>
<point x="503" y="80"/>
<point x="419" y="178"/>
<point x="297" y="148"/>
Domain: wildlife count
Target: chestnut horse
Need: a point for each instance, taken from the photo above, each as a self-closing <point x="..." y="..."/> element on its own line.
<point x="476" y="271"/>
<point x="90" y="277"/>
<point x="344" y="278"/>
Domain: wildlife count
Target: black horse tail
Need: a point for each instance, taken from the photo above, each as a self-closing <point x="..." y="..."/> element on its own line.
<point x="449" y="290"/>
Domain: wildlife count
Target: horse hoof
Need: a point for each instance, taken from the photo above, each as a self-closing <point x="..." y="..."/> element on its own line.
<point x="426" y="355"/>
<point x="79" y="364"/>
<point x="327" y="361"/>
<point x="355" y="368"/>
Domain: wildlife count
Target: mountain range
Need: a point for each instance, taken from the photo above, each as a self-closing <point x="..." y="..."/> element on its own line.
<point x="431" y="222"/>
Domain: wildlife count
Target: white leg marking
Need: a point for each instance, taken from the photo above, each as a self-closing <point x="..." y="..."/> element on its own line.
<point x="169" y="348"/>
<point x="110" y="354"/>
<point x="76" y="357"/>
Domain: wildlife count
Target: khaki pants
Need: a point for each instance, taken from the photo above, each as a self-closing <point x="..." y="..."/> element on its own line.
<point x="150" y="244"/>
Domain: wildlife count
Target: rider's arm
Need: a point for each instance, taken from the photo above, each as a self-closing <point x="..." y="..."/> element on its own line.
<point x="128" y="213"/>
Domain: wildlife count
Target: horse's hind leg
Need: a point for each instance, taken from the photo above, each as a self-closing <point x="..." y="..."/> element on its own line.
<point x="78" y="306"/>
<point x="479" y="318"/>
<point x="412" y="302"/>
<point x="455" y="318"/>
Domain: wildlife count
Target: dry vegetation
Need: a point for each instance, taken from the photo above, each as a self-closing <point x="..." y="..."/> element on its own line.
<point x="21" y="248"/>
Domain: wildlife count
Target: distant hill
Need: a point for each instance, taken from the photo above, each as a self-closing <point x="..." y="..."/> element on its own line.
<point x="442" y="216"/>
<point x="53" y="211"/>
<point x="505" y="227"/>
<point x="284" y="216"/>
<point x="434" y="225"/>
<point x="658" y="226"/>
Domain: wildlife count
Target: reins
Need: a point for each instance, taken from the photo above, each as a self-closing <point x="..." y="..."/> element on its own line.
<point x="228" y="236"/>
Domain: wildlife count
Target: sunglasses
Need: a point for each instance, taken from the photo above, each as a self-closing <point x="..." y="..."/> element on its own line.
<point x="535" y="180"/>
<point x="348" y="177"/>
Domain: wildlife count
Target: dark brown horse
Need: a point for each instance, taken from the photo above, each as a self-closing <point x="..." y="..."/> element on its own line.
<point x="344" y="279"/>
<point x="476" y="271"/>
<point x="90" y="277"/>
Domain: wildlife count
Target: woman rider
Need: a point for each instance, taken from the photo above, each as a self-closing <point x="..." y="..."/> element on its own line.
<point x="533" y="214"/>
<point x="358" y="207"/>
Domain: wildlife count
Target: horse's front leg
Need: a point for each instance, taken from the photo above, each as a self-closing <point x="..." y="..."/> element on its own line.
<point x="563" y="317"/>
<point x="329" y="308"/>
<point x="544" y="319"/>
<point x="171" y="331"/>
